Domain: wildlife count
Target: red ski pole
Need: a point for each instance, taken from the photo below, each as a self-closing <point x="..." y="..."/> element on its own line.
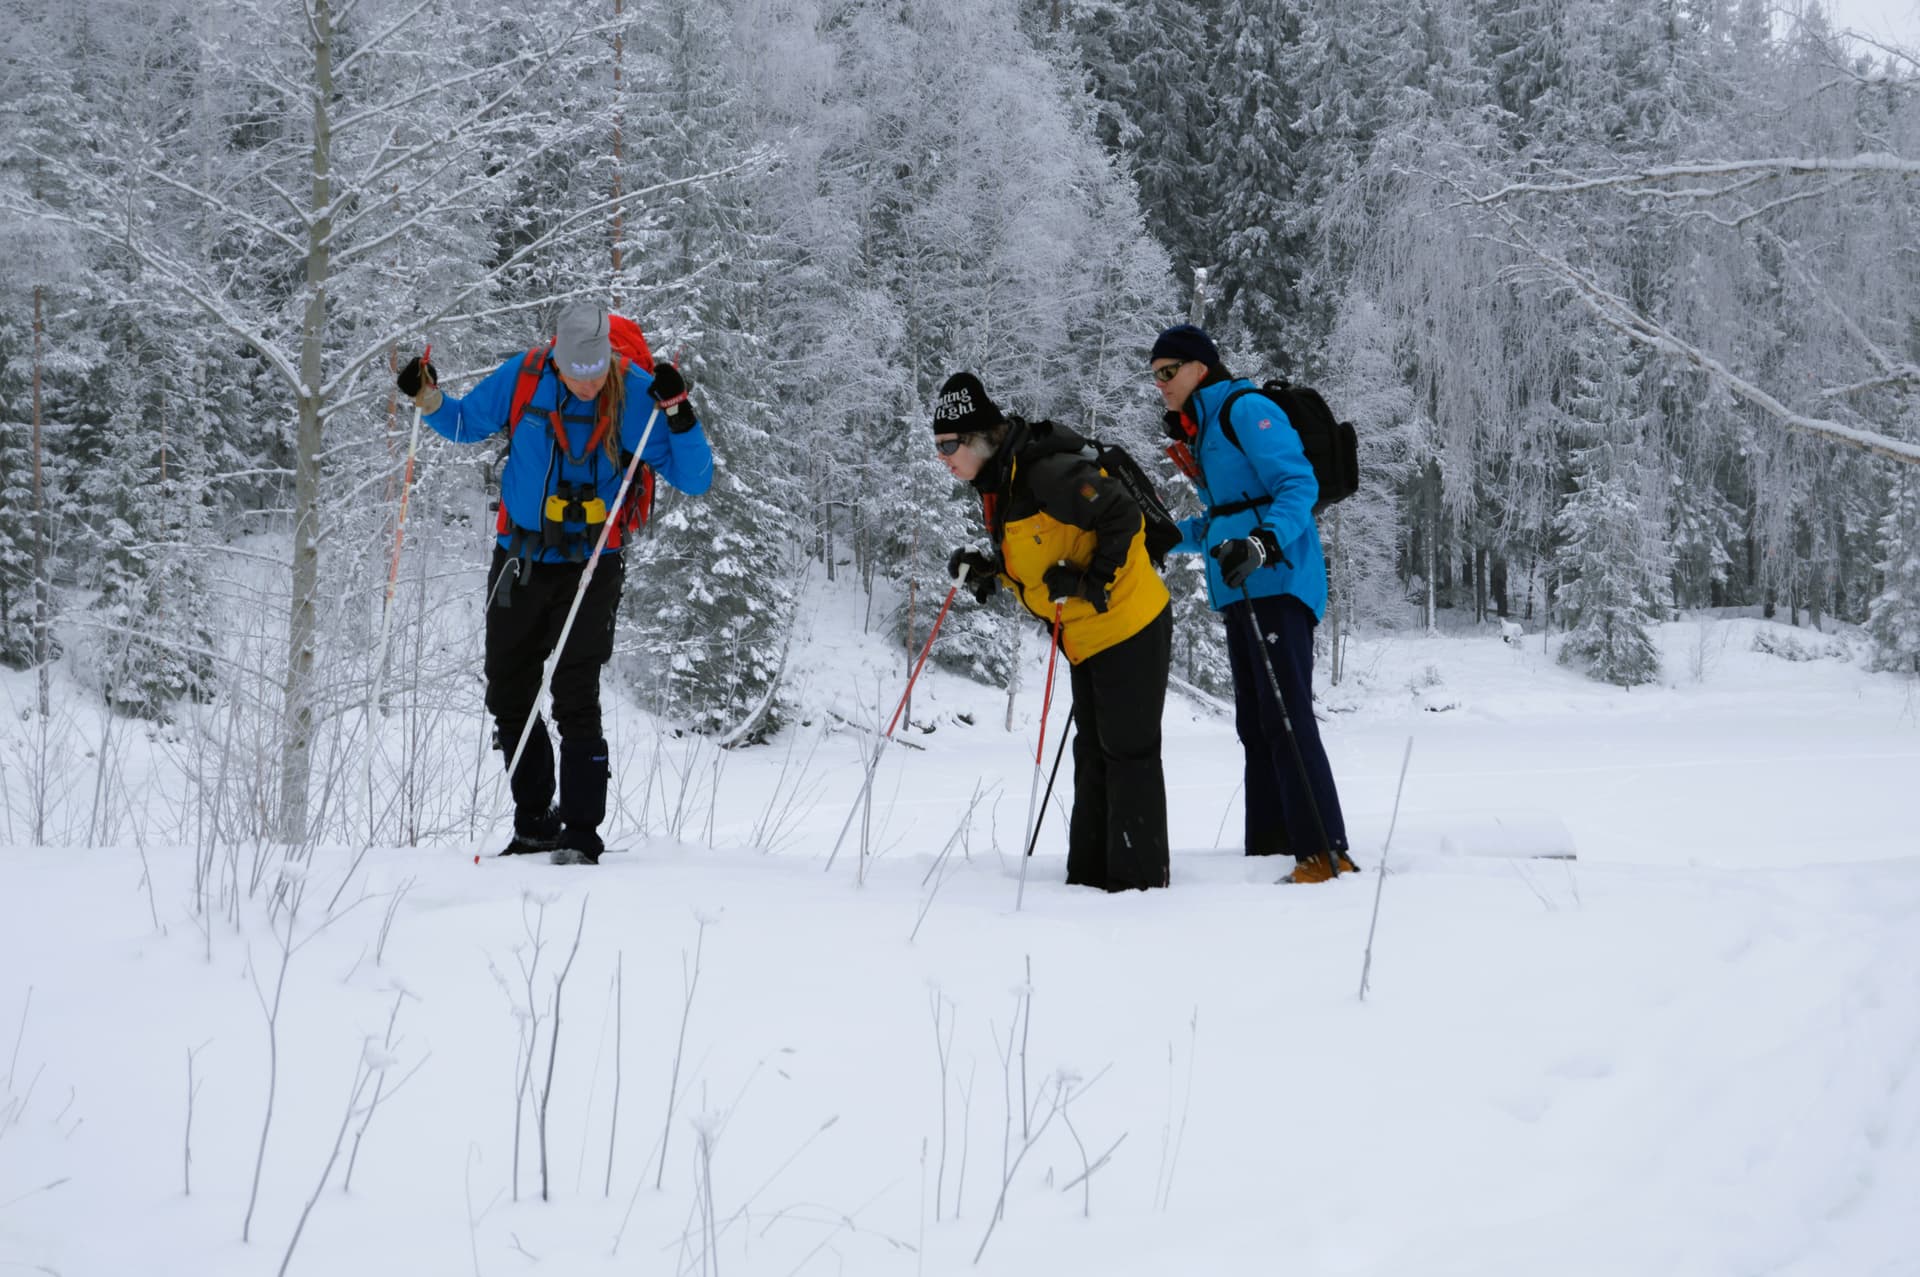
<point x="1039" y="750"/>
<point x="386" y="604"/>
<point x="887" y="735"/>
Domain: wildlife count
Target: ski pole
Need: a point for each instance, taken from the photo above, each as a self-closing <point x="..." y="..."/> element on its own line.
<point x="1059" y="753"/>
<point x="1366" y="962"/>
<point x="586" y="577"/>
<point x="873" y="765"/>
<point x="393" y="581"/>
<point x="1040" y="749"/>
<point x="1293" y="742"/>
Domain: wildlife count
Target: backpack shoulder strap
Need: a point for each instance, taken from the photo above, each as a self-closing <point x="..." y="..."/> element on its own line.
<point x="532" y="365"/>
<point x="1270" y="389"/>
<point x="1226" y="415"/>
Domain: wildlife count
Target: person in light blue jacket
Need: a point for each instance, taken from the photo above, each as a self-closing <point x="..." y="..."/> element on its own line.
<point x="575" y="414"/>
<point x="1267" y="577"/>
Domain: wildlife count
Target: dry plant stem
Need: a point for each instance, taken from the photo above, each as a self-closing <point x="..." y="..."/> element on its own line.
<point x="1006" y="1096"/>
<point x="1098" y="1162"/>
<point x="553" y="1045"/>
<point x="711" y="1242"/>
<point x="272" y="1013"/>
<point x="1180" y="1135"/>
<point x="529" y="1023"/>
<point x="146" y="879"/>
<point x="740" y="1212"/>
<point x="936" y="874"/>
<point x="473" y="1221"/>
<point x="386" y="922"/>
<point x="1026" y="1029"/>
<point x="691" y="978"/>
<point x="47" y="1187"/>
<point x="920" y="1247"/>
<point x="619" y="1003"/>
<point x="386" y="1045"/>
<point x="1006" y="1181"/>
<point x="943" y="1050"/>
<point x="361" y="1073"/>
<point x="186" y="1148"/>
<point x="19" y="1036"/>
<point x="966" y="1128"/>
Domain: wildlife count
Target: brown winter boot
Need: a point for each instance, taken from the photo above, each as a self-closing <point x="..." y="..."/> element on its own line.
<point x="1316" y="868"/>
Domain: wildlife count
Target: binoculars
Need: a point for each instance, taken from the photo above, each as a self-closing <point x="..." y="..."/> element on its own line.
<point x="571" y="512"/>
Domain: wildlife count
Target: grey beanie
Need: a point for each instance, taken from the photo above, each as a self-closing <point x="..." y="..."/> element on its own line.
<point x="581" y="348"/>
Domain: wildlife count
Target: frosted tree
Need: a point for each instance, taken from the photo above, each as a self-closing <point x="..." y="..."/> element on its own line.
<point x="346" y="213"/>
<point x="713" y="600"/>
<point x="46" y="349"/>
<point x="1893" y="617"/>
<point x="1613" y="562"/>
<point x="1362" y="534"/>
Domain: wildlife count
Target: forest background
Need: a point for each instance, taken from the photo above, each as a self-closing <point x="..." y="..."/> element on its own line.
<point x="1619" y="294"/>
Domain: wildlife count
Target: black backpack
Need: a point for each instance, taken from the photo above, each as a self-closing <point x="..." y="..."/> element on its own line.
<point x="1162" y="532"/>
<point x="1332" y="447"/>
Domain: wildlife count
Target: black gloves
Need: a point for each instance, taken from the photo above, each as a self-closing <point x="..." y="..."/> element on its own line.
<point x="1242" y="557"/>
<point x="669" y="390"/>
<point x="983" y="572"/>
<point x="420" y="381"/>
<point x="1065" y="581"/>
<point x="668" y="385"/>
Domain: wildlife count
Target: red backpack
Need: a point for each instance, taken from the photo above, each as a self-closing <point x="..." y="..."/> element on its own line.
<point x="630" y="344"/>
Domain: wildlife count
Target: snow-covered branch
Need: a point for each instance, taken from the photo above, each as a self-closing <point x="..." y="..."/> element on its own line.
<point x="1619" y="314"/>
<point x="559" y="231"/>
<point x="1872" y="162"/>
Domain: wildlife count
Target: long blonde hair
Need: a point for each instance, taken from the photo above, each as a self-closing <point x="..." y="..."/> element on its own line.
<point x="613" y="408"/>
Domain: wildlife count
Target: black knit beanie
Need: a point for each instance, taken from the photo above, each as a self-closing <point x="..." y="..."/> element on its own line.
<point x="963" y="407"/>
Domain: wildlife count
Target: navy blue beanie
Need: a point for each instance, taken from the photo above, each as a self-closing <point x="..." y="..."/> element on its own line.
<point x="1184" y="341"/>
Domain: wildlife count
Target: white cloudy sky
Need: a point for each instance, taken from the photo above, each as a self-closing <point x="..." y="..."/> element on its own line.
<point x="1894" y="20"/>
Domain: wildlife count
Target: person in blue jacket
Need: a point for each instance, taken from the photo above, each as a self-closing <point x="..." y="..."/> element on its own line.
<point x="566" y="457"/>
<point x="1267" y="577"/>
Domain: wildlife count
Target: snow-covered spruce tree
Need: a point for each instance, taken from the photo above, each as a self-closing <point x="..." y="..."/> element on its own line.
<point x="150" y="632"/>
<point x="47" y="347"/>
<point x="930" y="111"/>
<point x="1893" y="617"/>
<point x="1152" y="66"/>
<point x="712" y="602"/>
<point x="1613" y="561"/>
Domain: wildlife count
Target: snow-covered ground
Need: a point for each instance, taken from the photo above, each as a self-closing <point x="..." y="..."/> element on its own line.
<point x="1696" y="1050"/>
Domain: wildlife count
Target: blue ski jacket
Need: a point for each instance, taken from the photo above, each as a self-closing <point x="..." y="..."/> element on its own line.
<point x="1269" y="478"/>
<point x="536" y="462"/>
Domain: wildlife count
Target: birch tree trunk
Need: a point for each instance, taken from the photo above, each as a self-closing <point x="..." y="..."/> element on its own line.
<point x="296" y="761"/>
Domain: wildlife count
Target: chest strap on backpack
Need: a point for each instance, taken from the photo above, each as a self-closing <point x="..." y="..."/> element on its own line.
<point x="1237" y="507"/>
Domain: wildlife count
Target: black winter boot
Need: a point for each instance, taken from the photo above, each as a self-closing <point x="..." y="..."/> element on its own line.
<point x="534" y="833"/>
<point x="583" y="801"/>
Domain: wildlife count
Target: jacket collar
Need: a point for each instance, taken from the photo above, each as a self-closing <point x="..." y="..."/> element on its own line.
<point x="1203" y="405"/>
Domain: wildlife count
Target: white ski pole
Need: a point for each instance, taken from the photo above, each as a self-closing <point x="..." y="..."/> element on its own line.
<point x="1379" y="886"/>
<point x="586" y="577"/>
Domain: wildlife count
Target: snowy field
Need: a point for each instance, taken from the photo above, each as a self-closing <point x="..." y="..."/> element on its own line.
<point x="1696" y="1050"/>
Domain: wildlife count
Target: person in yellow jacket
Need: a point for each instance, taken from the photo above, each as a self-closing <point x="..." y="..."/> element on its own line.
<point x="1064" y="533"/>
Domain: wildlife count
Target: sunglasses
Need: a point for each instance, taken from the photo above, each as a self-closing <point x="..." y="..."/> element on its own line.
<point x="1167" y="372"/>
<point x="947" y="447"/>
